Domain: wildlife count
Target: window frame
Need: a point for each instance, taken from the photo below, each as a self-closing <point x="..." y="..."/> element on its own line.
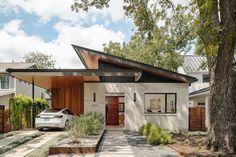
<point x="1" y="76"/>
<point x="145" y="105"/>
<point x="204" y="77"/>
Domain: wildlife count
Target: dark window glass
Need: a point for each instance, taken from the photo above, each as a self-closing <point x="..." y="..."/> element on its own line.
<point x="66" y="112"/>
<point x="53" y="110"/>
<point x="205" y="78"/>
<point x="201" y="104"/>
<point x="170" y="103"/>
<point x="5" y="82"/>
<point x="160" y="103"/>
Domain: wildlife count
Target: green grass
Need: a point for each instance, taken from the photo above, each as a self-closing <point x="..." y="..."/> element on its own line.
<point x="19" y="142"/>
<point x="2" y="136"/>
<point x="43" y="150"/>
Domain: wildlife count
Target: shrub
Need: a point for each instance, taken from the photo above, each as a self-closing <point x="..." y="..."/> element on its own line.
<point x="21" y="110"/>
<point x="41" y="104"/>
<point x="20" y="105"/>
<point x="155" y="135"/>
<point x="141" y="129"/>
<point x="86" y="125"/>
<point x="153" y="138"/>
<point x="146" y="130"/>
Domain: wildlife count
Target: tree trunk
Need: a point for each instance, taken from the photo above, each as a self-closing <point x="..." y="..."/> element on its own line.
<point x="218" y="33"/>
<point x="221" y="132"/>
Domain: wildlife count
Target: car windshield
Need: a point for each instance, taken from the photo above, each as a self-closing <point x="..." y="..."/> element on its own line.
<point x="53" y="110"/>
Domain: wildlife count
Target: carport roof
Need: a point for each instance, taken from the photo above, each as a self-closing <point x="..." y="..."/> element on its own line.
<point x="45" y="77"/>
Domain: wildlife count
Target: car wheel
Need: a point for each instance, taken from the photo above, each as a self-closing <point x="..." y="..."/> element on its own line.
<point x="67" y="125"/>
<point x="40" y="129"/>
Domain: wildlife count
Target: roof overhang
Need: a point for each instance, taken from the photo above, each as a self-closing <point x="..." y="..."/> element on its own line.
<point x="90" y="58"/>
<point x="201" y="92"/>
<point x="45" y="77"/>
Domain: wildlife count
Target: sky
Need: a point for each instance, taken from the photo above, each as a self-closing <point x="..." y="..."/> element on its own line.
<point x="50" y="27"/>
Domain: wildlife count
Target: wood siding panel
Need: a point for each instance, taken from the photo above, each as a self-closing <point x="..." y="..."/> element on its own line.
<point x="68" y="92"/>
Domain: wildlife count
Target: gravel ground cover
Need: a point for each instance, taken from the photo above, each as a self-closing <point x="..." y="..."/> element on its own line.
<point x="18" y="142"/>
<point x="2" y="136"/>
<point x="140" y="147"/>
<point x="43" y="150"/>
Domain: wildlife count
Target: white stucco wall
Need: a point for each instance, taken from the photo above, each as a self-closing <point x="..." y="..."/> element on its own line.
<point x="134" y="111"/>
<point x="4" y="100"/>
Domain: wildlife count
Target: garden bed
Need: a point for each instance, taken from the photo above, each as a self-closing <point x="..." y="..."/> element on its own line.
<point x="193" y="144"/>
<point x="86" y="145"/>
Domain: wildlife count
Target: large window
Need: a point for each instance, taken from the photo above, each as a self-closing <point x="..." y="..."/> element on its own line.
<point x="160" y="103"/>
<point x="4" y="82"/>
<point x="205" y="78"/>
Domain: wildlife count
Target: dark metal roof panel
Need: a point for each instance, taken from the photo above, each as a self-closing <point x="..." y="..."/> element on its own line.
<point x="138" y="65"/>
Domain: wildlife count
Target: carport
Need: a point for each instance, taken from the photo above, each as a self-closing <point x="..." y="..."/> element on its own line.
<point x="67" y="85"/>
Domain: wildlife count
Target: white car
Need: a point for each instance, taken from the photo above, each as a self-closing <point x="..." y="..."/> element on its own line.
<point x="54" y="118"/>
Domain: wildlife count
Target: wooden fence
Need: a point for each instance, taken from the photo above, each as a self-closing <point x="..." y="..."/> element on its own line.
<point x="197" y="120"/>
<point x="5" y="125"/>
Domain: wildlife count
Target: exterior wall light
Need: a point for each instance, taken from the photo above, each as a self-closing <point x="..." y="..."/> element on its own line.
<point x="94" y="97"/>
<point x="134" y="97"/>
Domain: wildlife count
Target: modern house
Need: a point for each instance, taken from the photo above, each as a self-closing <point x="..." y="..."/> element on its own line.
<point x="10" y="86"/>
<point x="128" y="93"/>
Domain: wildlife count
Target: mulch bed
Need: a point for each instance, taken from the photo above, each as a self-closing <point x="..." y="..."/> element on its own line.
<point x="193" y="144"/>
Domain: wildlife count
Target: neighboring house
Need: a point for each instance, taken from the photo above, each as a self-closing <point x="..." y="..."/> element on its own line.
<point x="199" y="91"/>
<point x="194" y="66"/>
<point x="10" y="86"/>
<point x="128" y="93"/>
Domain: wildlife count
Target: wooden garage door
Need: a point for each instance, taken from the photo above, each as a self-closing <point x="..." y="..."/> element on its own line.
<point x="197" y="119"/>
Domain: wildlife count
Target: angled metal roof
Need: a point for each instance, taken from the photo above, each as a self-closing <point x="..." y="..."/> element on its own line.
<point x="137" y="65"/>
<point x="16" y="65"/>
<point x="193" y="63"/>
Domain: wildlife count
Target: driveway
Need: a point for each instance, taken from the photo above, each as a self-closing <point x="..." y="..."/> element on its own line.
<point x="30" y="146"/>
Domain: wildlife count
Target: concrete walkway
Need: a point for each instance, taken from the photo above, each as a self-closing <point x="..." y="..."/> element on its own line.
<point x="115" y="144"/>
<point x="28" y="147"/>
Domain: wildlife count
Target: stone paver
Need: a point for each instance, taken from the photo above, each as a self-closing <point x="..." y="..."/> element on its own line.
<point x="28" y="147"/>
<point x="141" y="149"/>
<point x="115" y="144"/>
<point x="18" y="135"/>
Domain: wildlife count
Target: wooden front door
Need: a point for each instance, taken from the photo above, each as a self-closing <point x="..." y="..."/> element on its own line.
<point x="112" y="110"/>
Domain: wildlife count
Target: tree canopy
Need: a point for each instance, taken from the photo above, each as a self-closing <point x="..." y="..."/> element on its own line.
<point x="42" y="60"/>
<point x="164" y="31"/>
